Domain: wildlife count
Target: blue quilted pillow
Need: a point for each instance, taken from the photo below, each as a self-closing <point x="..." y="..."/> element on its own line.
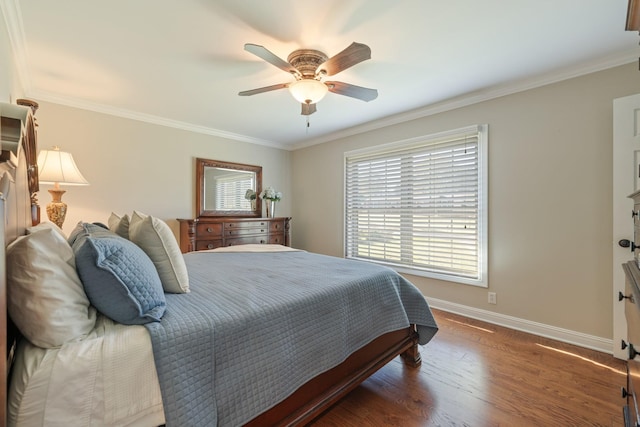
<point x="118" y="277"/>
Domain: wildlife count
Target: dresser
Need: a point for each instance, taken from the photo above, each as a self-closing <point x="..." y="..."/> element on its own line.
<point x="631" y="299"/>
<point x="213" y="232"/>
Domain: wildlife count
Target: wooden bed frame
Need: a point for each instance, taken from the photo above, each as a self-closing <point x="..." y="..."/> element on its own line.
<point x="307" y="403"/>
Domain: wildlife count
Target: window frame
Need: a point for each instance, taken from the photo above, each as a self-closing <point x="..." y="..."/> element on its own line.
<point x="482" y="279"/>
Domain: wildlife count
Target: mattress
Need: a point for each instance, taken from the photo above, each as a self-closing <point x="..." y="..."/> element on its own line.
<point x="106" y="379"/>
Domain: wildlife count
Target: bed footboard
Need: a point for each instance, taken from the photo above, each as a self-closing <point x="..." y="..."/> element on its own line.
<point x="317" y="395"/>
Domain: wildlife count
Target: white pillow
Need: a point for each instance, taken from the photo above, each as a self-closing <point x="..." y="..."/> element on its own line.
<point x="44" y="226"/>
<point x="45" y="297"/>
<point x="119" y="224"/>
<point x="157" y="240"/>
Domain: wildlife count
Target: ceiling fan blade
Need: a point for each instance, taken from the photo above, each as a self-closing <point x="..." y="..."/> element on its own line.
<point x="263" y="89"/>
<point x="352" y="55"/>
<point x="267" y="55"/>
<point x="353" y="91"/>
<point x="308" y="109"/>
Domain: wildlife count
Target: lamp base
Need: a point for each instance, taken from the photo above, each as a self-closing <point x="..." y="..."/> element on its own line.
<point x="57" y="209"/>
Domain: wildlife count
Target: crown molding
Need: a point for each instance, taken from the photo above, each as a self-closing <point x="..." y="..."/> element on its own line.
<point x="478" y="96"/>
<point x="149" y="118"/>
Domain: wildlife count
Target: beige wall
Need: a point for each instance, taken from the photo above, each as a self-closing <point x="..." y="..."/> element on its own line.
<point x="550" y="192"/>
<point x="136" y="165"/>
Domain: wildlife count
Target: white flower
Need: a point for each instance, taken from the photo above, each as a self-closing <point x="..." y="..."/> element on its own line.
<point x="270" y="193"/>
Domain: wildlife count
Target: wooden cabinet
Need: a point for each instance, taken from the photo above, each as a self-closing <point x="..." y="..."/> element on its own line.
<point x="210" y="233"/>
<point x="631" y="299"/>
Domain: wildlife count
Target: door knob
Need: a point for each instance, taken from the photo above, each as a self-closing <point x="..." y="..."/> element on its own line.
<point x="626" y="243"/>
<point x="622" y="296"/>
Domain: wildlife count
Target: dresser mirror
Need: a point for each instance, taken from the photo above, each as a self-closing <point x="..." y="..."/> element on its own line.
<point x="222" y="189"/>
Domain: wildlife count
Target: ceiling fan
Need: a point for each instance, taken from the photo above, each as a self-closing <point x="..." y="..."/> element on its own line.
<point x="309" y="67"/>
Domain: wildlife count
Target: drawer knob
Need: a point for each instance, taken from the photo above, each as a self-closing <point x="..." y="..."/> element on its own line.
<point x="634" y="213"/>
<point x="262" y="242"/>
<point x="209" y="230"/>
<point x="210" y="246"/>
<point x="624" y="393"/>
<point x="622" y="296"/>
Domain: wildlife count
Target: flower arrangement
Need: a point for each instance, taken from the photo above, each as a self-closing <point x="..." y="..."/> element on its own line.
<point x="250" y="194"/>
<point x="270" y="193"/>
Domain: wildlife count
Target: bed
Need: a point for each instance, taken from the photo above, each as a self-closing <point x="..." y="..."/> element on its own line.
<point x="252" y="336"/>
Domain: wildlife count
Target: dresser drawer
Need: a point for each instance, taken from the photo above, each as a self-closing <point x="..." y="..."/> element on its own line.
<point x="239" y="232"/>
<point x="632" y="305"/>
<point x="244" y="225"/>
<point x="202" y="245"/>
<point x="246" y="240"/>
<point x="276" y="239"/>
<point x="276" y="227"/>
<point x="204" y="230"/>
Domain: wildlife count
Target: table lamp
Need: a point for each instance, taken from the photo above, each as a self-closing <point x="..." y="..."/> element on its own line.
<point x="58" y="168"/>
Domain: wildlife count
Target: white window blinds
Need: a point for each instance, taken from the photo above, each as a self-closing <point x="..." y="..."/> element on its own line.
<point x="419" y="205"/>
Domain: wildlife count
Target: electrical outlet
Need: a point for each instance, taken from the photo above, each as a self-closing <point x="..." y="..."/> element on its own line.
<point x="493" y="298"/>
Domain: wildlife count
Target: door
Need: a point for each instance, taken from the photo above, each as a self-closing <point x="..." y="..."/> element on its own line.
<point x="626" y="180"/>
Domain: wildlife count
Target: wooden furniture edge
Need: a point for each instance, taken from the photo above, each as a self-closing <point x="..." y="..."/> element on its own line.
<point x="18" y="210"/>
<point x="323" y="391"/>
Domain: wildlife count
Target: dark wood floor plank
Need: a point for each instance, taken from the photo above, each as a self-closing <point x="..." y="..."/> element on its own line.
<point x="477" y="374"/>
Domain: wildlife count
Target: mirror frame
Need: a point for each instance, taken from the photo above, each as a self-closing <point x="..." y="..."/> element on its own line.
<point x="200" y="202"/>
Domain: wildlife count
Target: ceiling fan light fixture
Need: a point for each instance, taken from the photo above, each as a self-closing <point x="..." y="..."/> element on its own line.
<point x="308" y="91"/>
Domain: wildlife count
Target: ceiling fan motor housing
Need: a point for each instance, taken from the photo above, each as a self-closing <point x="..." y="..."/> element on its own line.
<point x="307" y="61"/>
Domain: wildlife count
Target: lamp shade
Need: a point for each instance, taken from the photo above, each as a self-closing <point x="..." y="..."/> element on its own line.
<point x="308" y="91"/>
<point x="55" y="166"/>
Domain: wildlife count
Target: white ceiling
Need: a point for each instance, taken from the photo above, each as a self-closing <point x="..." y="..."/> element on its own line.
<point x="182" y="63"/>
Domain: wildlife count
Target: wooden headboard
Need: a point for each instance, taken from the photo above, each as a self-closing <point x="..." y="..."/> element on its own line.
<point x="18" y="210"/>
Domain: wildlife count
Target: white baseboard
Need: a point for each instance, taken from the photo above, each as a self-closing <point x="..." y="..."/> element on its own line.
<point x="565" y="335"/>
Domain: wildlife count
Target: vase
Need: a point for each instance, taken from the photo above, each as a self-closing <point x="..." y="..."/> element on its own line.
<point x="271" y="208"/>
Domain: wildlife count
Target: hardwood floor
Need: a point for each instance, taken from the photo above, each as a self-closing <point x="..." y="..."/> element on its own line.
<point x="479" y="374"/>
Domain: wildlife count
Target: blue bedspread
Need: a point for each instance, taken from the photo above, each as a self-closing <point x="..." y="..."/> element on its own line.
<point x="256" y="326"/>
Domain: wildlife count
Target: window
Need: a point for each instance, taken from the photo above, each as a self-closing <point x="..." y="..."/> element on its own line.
<point x="419" y="205"/>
